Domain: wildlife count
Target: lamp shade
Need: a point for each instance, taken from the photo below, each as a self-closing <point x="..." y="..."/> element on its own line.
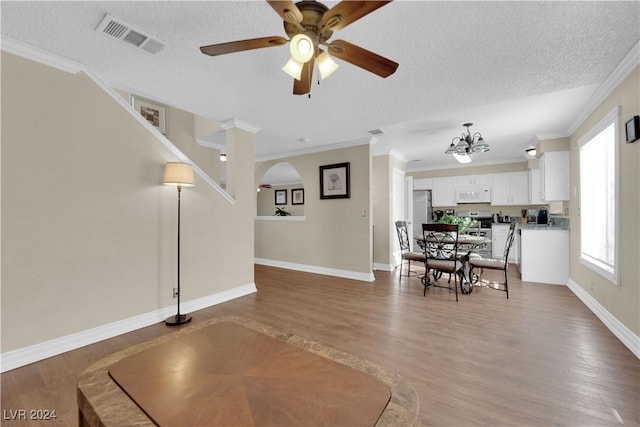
<point x="293" y="68"/>
<point x="462" y="158"/>
<point x="326" y="65"/>
<point x="179" y="174"/>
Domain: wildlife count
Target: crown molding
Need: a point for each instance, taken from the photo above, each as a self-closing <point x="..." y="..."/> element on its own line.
<point x="33" y="53"/>
<point x="617" y="76"/>
<point x="338" y="146"/>
<point x="235" y="123"/>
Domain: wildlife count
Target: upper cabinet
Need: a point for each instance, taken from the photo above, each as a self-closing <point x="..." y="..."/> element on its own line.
<point x="535" y="190"/>
<point x="423" y="184"/>
<point x="467" y="180"/>
<point x="554" y="176"/>
<point x="510" y="188"/>
<point x="443" y="192"/>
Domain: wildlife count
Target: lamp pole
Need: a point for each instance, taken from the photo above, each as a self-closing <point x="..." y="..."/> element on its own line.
<point x="178" y="174"/>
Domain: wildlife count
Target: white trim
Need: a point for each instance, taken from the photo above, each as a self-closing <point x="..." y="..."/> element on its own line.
<point x="24" y="356"/>
<point x="383" y="267"/>
<point x="596" y="265"/>
<point x="624" y="334"/>
<point x="281" y="218"/>
<point x="320" y="149"/>
<point x="622" y="70"/>
<point x="40" y="56"/>
<point x="355" y="275"/>
<point x="235" y="123"/>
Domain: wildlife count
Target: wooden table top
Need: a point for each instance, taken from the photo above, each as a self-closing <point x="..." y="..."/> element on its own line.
<point x="236" y="371"/>
<point x="229" y="375"/>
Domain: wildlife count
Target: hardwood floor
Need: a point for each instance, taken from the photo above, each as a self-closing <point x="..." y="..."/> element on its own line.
<point x="539" y="358"/>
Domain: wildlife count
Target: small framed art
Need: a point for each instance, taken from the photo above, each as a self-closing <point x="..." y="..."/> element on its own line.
<point x="155" y="113"/>
<point x="281" y="197"/>
<point x="297" y="196"/>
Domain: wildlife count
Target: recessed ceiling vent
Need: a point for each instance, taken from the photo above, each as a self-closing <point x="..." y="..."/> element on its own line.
<point x="123" y="31"/>
<point x="376" y="132"/>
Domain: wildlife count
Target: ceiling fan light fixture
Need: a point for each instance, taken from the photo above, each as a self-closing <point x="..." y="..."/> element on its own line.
<point x="326" y="65"/>
<point x="293" y="68"/>
<point x="301" y="48"/>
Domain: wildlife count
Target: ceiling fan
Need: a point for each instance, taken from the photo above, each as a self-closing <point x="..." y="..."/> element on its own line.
<point x="310" y="24"/>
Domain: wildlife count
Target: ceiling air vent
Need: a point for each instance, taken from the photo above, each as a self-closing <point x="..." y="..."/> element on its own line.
<point x="376" y="132"/>
<point x="125" y="32"/>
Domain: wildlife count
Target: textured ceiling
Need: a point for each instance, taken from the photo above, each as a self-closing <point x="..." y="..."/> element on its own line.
<point x="518" y="70"/>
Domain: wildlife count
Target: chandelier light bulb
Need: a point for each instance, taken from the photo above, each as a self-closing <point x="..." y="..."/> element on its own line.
<point x="301" y="48"/>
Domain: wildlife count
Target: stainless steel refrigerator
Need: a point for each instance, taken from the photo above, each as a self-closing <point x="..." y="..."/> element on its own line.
<point x="422" y="210"/>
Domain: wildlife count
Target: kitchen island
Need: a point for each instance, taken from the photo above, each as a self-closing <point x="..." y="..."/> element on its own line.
<point x="544" y="254"/>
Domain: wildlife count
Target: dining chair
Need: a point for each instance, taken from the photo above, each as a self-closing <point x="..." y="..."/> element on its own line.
<point x="441" y="253"/>
<point x="495" y="264"/>
<point x="405" y="248"/>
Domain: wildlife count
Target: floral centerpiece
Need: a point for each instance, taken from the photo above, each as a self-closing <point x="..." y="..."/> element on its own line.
<point x="463" y="223"/>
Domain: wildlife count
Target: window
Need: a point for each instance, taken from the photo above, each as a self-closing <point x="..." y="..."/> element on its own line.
<point x="599" y="197"/>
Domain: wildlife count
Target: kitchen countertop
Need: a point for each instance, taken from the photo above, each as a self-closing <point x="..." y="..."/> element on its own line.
<point x="544" y="226"/>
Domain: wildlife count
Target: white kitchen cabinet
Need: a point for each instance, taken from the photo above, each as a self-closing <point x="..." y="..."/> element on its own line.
<point x="535" y="190"/>
<point x="423" y="184"/>
<point x="499" y="234"/>
<point x="554" y="176"/>
<point x="545" y="255"/>
<point x="510" y="188"/>
<point x="443" y="192"/>
<point x="466" y="180"/>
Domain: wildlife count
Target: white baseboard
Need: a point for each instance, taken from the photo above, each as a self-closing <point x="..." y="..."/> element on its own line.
<point x="24" y="356"/>
<point x="355" y="275"/>
<point x="383" y="267"/>
<point x="624" y="334"/>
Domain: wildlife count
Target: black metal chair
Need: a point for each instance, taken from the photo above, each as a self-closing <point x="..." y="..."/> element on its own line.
<point x="405" y="248"/>
<point x="495" y="264"/>
<point x="441" y="253"/>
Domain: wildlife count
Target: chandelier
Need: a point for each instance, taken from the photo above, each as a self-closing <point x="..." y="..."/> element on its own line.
<point x="465" y="144"/>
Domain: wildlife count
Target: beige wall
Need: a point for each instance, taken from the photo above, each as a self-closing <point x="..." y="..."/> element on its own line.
<point x="622" y="301"/>
<point x="88" y="231"/>
<point x="335" y="234"/>
<point x="267" y="205"/>
<point x="381" y="194"/>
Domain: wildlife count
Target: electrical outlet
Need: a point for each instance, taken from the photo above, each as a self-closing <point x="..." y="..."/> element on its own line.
<point x="175" y="292"/>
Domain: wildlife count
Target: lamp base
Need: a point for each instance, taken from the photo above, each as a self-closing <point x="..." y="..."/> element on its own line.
<point x="178" y="319"/>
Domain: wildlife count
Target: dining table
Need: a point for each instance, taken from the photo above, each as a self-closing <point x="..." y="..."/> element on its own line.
<point x="470" y="244"/>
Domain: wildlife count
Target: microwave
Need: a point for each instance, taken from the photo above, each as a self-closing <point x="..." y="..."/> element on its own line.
<point x="473" y="194"/>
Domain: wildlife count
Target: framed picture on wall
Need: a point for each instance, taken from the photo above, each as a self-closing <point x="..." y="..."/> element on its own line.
<point x="281" y="197"/>
<point x="297" y="196"/>
<point x="155" y="113"/>
<point x="334" y="181"/>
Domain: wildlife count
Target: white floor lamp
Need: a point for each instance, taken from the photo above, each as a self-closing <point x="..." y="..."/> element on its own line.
<point x="180" y="175"/>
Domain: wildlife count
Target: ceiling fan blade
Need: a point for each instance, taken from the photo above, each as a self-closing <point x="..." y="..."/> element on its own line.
<point x="303" y="86"/>
<point x="240" y="45"/>
<point x="363" y="58"/>
<point x="287" y="10"/>
<point x="348" y="11"/>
